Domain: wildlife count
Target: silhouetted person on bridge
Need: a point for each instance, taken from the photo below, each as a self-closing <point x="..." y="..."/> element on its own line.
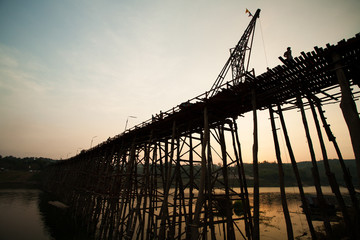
<point x="287" y="54"/>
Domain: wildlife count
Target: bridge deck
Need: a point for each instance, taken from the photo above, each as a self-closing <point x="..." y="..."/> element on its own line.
<point x="312" y="72"/>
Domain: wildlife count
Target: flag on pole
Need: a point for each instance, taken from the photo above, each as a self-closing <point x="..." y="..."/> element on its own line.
<point x="247" y="11"/>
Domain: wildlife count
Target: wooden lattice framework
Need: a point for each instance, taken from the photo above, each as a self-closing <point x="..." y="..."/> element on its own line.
<point x="158" y="180"/>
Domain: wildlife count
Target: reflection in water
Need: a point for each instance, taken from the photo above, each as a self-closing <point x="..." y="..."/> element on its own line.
<point x="57" y="221"/>
<point x="26" y="214"/>
<point x="272" y="222"/>
<point x="20" y="217"/>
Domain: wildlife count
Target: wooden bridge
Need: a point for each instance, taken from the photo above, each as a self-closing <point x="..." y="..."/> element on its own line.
<point x="158" y="179"/>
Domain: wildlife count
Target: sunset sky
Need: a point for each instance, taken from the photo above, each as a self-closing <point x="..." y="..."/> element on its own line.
<point x="73" y="70"/>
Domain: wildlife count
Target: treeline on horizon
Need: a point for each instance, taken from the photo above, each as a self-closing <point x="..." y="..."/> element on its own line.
<point x="24" y="164"/>
<point x="268" y="171"/>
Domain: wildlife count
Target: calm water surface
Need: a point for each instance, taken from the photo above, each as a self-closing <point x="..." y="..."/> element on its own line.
<point x="26" y="214"/>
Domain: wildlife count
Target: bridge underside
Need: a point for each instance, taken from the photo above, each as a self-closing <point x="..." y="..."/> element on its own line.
<point x="159" y="181"/>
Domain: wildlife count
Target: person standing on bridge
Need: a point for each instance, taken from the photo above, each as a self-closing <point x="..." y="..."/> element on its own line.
<point x="287" y="54"/>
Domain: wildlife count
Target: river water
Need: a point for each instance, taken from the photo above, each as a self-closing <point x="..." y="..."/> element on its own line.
<point x="27" y="214"/>
<point x="20" y="217"/>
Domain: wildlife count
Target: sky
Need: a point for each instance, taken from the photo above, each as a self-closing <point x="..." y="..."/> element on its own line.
<point x="72" y="72"/>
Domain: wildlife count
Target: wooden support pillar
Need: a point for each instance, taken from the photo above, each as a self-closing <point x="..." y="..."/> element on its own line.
<point x="201" y="197"/>
<point x="242" y="179"/>
<point x="315" y="170"/>
<point x="175" y="197"/>
<point x="191" y="188"/>
<point x="256" y="233"/>
<point x="346" y="172"/>
<point x="209" y="188"/>
<point x="297" y="174"/>
<point x="132" y="194"/>
<point x="331" y="177"/>
<point x="164" y="208"/>
<point x="183" y="210"/>
<point x="152" y="196"/>
<point x="146" y="188"/>
<point x="349" y="110"/>
<point x="289" y="229"/>
<point x="120" y="203"/>
<point x="125" y="201"/>
<point x="228" y="209"/>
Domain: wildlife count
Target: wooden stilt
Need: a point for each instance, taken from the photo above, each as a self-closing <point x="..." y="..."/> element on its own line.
<point x="331" y="177"/>
<point x="289" y="229"/>
<point x="209" y="190"/>
<point x="346" y="172"/>
<point x="242" y="179"/>
<point x="297" y="175"/>
<point x="228" y="208"/>
<point x="349" y="110"/>
<point x="256" y="233"/>
<point x="164" y="208"/>
<point x="175" y="197"/>
<point x="191" y="188"/>
<point x="315" y="171"/>
<point x="146" y="187"/>
<point x="201" y="197"/>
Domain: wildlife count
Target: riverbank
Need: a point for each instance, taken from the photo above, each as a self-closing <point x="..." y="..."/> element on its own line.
<point x="19" y="179"/>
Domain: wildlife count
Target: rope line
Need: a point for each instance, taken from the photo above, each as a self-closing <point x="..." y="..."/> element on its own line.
<point x="262" y="37"/>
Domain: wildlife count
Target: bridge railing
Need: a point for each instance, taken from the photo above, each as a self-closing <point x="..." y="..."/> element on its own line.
<point x="202" y="98"/>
